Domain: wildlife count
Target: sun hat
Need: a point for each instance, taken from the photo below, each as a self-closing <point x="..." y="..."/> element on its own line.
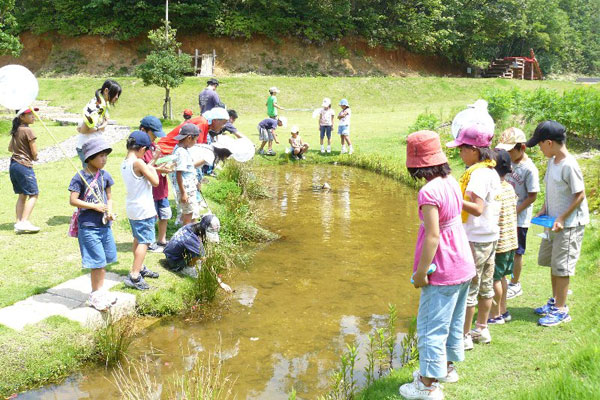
<point x="424" y="149"/>
<point x="154" y="124"/>
<point x="503" y="162"/>
<point x="187" y="112"/>
<point x="187" y="130"/>
<point x="212" y="226"/>
<point x="273" y="89"/>
<point x="326" y="102"/>
<point x="295" y="129"/>
<point x="213" y="81"/>
<point x="473" y="135"/>
<point x="26" y="111"/>
<point x="216" y="113"/>
<point x="547" y="130"/>
<point x="344" y="102"/>
<point x="510" y="138"/>
<point x="97" y="145"/>
<point x="141" y="138"/>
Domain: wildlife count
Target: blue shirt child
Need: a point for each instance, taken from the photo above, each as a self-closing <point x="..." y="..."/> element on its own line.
<point x="184" y="245"/>
<point x="91" y="218"/>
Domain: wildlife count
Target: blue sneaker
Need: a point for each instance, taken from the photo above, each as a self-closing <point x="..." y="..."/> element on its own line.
<point x="506" y="316"/>
<point x="555" y="317"/>
<point x="546" y="308"/>
<point x="496" y="321"/>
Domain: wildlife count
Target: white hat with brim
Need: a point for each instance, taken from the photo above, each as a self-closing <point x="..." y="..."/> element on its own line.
<point x="216" y="113"/>
<point x="273" y="89"/>
<point x="326" y="102"/>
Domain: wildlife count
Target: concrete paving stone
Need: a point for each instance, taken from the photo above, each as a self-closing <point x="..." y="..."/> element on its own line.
<point x="35" y="309"/>
<point x="94" y="319"/>
<point x="81" y="287"/>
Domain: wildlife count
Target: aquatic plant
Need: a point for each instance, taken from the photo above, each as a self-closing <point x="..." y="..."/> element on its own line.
<point x="243" y="176"/>
<point x="292" y="394"/>
<point x="370" y="368"/>
<point x="343" y="384"/>
<point x="408" y="345"/>
<point x="113" y="339"/>
<point x="391" y="332"/>
<point x="135" y="382"/>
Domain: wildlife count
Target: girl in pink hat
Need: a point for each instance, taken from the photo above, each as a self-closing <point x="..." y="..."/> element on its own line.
<point x="479" y="185"/>
<point x="442" y="242"/>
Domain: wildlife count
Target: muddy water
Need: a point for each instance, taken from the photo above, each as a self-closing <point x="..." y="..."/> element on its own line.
<point x="344" y="254"/>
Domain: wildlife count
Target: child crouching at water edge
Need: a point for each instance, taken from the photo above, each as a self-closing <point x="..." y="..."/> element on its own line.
<point x="479" y="185"/>
<point x="441" y="241"/>
<point x="298" y="147"/>
<point x="94" y="200"/>
<point x="185" y="251"/>
<point x="139" y="178"/>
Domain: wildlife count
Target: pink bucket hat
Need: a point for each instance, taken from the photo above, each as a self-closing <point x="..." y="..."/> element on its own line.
<point x="424" y="149"/>
<point x="473" y="135"/>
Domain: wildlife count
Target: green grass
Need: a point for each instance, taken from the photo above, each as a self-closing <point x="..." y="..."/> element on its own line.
<point x="43" y="139"/>
<point x="383" y="108"/>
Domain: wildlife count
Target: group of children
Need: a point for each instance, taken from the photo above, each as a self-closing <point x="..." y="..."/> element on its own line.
<point x="326" y="115"/>
<point x="475" y="230"/>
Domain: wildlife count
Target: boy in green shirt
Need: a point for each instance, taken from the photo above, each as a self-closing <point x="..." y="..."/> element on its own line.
<point x="272" y="105"/>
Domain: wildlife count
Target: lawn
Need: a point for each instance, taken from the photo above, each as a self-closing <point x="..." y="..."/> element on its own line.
<point x="521" y="355"/>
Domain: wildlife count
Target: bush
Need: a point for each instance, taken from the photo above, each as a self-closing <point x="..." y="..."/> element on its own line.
<point x="425" y="120"/>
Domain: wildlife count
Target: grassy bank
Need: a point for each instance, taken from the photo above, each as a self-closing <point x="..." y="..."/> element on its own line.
<point x="383" y="108"/>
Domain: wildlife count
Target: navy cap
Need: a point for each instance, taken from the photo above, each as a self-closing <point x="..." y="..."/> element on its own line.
<point x="141" y="138"/>
<point x="152" y="123"/>
<point x="548" y="130"/>
<point x="186" y="130"/>
<point x="213" y="81"/>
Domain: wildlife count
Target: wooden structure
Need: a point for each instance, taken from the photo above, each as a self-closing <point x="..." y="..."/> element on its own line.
<point x="515" y="68"/>
<point x="206" y="66"/>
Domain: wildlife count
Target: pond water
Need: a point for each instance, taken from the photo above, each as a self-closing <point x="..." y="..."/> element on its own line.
<point x="343" y="255"/>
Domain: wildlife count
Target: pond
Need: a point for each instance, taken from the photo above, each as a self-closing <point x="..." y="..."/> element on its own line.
<point x="344" y="254"/>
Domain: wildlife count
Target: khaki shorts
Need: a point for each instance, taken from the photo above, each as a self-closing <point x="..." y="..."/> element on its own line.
<point x="191" y="207"/>
<point x="482" y="283"/>
<point x="561" y="251"/>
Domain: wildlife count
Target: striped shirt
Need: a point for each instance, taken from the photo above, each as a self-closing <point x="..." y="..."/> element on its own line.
<point x="508" y="218"/>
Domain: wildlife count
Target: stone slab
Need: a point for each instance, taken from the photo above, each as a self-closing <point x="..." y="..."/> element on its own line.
<point x="35" y="309"/>
<point x="81" y="287"/>
<point x="94" y="319"/>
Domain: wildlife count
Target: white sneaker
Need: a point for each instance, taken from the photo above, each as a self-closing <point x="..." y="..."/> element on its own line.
<point x="481" y="335"/>
<point x="110" y="297"/>
<point x="417" y="390"/>
<point x="329" y="149"/>
<point x="19" y="227"/>
<point x="468" y="342"/>
<point x="514" y="290"/>
<point x="343" y="150"/>
<point x="322" y="149"/>
<point x="98" y="301"/>
<point x="27" y="226"/>
<point x="351" y="150"/>
<point x="452" y="376"/>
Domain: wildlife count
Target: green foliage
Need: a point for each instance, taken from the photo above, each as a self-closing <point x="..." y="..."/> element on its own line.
<point x="113" y="339"/>
<point x="425" y="120"/>
<point x="9" y="41"/>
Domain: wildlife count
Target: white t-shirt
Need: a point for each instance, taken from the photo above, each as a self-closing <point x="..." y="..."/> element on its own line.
<point x="563" y="180"/>
<point x="139" y="203"/>
<point x="345" y="121"/>
<point x="485" y="183"/>
<point x="326" y="116"/>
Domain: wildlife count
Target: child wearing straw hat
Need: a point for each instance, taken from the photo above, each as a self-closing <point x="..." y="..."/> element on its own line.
<point x="441" y="241"/>
<point x="94" y="200"/>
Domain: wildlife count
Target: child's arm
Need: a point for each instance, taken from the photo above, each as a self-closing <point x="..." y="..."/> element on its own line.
<point x="530" y="199"/>
<point x="109" y="204"/>
<point x="147" y="171"/>
<point x="33" y="148"/>
<point x="431" y="223"/>
<point x="75" y="201"/>
<point x="274" y="136"/>
<point x="184" y="196"/>
<point x="475" y="206"/>
<point x="559" y="222"/>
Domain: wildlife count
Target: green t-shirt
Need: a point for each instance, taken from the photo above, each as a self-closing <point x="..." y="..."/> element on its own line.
<point x="271" y="110"/>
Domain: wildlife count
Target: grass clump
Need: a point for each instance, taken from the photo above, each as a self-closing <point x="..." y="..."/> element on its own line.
<point x="113" y="339"/>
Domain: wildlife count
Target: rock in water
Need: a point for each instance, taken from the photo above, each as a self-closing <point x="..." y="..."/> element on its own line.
<point x="326" y="186"/>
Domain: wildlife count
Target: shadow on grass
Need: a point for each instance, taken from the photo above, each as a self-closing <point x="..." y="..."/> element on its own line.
<point x="525" y="314"/>
<point x="59" y="220"/>
<point x="7" y="227"/>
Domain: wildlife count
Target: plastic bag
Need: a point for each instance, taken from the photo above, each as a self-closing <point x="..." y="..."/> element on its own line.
<point x="477" y="113"/>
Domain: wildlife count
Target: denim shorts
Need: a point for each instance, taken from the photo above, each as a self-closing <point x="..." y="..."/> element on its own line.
<point x="325" y="130"/>
<point x="97" y="246"/>
<point x="143" y="230"/>
<point x="163" y="208"/>
<point x="344" y="130"/>
<point x="23" y="179"/>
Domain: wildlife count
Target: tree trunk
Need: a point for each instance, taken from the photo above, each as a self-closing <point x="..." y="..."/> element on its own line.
<point x="167" y="104"/>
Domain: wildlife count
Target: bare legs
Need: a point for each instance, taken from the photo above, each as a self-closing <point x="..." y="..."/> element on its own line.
<point x="24" y="207"/>
<point x="162" y="231"/>
<point x="139" y="254"/>
<point x="97" y="278"/>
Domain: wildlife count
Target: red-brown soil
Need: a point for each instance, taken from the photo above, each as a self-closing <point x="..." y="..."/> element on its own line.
<point x="57" y="54"/>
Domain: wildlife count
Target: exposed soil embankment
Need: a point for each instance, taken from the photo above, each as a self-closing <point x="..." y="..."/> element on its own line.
<point x="63" y="55"/>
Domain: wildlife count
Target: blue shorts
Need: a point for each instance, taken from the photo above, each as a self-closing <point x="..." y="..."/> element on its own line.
<point x="325" y="130"/>
<point x="163" y="208"/>
<point x="344" y="130"/>
<point x="97" y="246"/>
<point x="522" y="238"/>
<point x="143" y="230"/>
<point x="23" y="179"/>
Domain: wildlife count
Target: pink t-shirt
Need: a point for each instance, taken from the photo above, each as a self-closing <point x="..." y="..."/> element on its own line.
<point x="453" y="257"/>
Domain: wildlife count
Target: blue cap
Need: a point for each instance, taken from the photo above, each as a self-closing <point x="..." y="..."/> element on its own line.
<point x="344" y="102"/>
<point x="152" y="123"/>
<point x="141" y="138"/>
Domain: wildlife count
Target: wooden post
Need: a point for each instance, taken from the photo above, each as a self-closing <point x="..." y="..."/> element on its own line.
<point x="196" y="63"/>
<point x="213" y="61"/>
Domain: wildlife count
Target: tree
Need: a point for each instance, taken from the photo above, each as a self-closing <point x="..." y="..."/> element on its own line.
<point x="164" y="67"/>
<point x="9" y="41"/>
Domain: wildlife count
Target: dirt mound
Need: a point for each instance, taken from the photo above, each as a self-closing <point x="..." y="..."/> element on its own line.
<point x="63" y="55"/>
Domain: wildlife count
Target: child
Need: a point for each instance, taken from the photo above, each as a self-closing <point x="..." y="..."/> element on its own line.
<point x="96" y="241"/>
<point x="272" y="105"/>
<point x="525" y="180"/>
<point x="566" y="202"/>
<point x="187" y="114"/>
<point x="22" y="145"/>
<point x="139" y="178"/>
<point x="266" y="133"/>
<point x="479" y="184"/>
<point x="344" y="126"/>
<point x="153" y="128"/>
<point x="184" y="178"/>
<point x="442" y="241"/>
<point x="507" y="240"/>
<point x="95" y="113"/>
<point x="298" y="148"/>
<point x="326" y="115"/>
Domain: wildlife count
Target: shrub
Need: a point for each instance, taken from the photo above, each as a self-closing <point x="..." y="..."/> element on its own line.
<point x="425" y="120"/>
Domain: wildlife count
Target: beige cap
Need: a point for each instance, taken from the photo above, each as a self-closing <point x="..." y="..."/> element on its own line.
<point x="273" y="89"/>
<point x="511" y="137"/>
<point x="295" y="129"/>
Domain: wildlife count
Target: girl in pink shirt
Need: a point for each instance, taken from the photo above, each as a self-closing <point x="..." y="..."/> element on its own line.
<point x="441" y="241"/>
